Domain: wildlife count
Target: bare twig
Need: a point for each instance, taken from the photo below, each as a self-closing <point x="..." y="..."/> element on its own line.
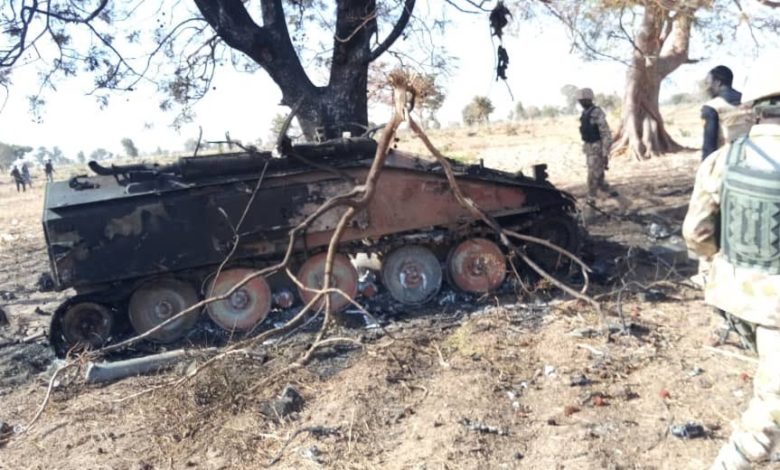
<point x="200" y="139"/>
<point x="591" y="349"/>
<point x="316" y="430"/>
<point x="45" y="401"/>
<point x="502" y="233"/>
<point x="733" y="355"/>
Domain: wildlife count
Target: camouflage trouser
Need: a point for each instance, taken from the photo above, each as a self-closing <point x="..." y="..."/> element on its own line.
<point x="758" y="430"/>
<point x="744" y="329"/>
<point x="596" y="163"/>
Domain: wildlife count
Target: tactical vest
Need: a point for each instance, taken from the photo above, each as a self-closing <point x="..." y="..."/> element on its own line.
<point x="750" y="210"/>
<point x="726" y="133"/>
<point x="589" y="131"/>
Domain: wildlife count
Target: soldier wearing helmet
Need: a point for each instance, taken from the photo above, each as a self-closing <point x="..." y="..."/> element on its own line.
<point x="724" y="100"/>
<point x="734" y="217"/>
<point x="596" y="141"/>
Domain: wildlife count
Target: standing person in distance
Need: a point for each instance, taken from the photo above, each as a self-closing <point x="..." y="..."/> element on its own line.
<point x="724" y="99"/>
<point x="596" y="142"/>
<point x="48" y="168"/>
<point x="26" y="174"/>
<point x="18" y="179"/>
<point x="717" y="131"/>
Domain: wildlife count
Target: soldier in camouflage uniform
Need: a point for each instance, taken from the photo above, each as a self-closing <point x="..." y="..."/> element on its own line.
<point x="734" y="218"/>
<point x="596" y="141"/>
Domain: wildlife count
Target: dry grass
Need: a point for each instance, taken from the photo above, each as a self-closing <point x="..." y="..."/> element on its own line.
<point x="401" y="403"/>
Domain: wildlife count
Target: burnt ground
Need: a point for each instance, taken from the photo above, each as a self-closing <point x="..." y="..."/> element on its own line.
<point x="534" y="382"/>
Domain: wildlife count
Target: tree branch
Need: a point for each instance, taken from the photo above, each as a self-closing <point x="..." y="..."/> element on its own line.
<point x="677" y="55"/>
<point x="18" y="49"/>
<point x="579" y="40"/>
<point x="396" y="32"/>
<point x="75" y="19"/>
<point x="628" y="36"/>
<point x="479" y="6"/>
<point x="268" y="45"/>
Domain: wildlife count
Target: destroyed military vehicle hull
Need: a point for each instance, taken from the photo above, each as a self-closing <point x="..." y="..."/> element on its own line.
<point x="140" y="243"/>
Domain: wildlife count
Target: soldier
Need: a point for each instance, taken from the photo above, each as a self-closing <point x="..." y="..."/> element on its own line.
<point x="18" y="179"/>
<point x="597" y="139"/>
<point x="48" y="168"/>
<point x="26" y="174"/>
<point x="724" y="99"/>
<point x="733" y="218"/>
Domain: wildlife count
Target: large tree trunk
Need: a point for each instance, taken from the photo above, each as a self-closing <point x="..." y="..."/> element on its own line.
<point x="324" y="112"/>
<point x="342" y="106"/>
<point x="642" y="133"/>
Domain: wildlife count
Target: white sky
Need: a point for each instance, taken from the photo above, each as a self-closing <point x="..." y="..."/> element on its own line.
<point x="541" y="62"/>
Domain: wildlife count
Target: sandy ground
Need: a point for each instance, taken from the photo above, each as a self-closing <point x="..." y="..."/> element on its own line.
<point x="504" y="383"/>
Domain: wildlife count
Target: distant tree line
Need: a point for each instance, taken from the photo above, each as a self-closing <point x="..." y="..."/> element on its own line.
<point x="480" y="108"/>
<point x="9" y="153"/>
<point x="607" y="101"/>
<point x="685" y="98"/>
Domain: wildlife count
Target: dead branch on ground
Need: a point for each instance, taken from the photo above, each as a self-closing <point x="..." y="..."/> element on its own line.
<point x="504" y="234"/>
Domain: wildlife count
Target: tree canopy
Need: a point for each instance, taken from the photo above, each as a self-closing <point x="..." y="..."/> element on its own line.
<point x="317" y="53"/>
<point x="653" y="39"/>
<point x="9" y="153"/>
<point x="478" y="111"/>
<point x="129" y="146"/>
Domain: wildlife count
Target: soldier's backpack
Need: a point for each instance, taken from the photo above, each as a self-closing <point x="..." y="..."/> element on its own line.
<point x="750" y="208"/>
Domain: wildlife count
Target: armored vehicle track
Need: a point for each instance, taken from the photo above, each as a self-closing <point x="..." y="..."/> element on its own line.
<point x="140" y="243"/>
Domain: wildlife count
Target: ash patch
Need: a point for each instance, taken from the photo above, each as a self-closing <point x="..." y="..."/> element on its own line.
<point x="20" y="364"/>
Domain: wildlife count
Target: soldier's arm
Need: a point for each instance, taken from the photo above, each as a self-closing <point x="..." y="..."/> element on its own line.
<point x="710" y="141"/>
<point x="701" y="222"/>
<point x="599" y="118"/>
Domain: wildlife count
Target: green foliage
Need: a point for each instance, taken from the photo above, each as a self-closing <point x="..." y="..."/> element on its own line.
<point x="181" y="46"/>
<point x="606" y="101"/>
<point x="520" y="112"/>
<point x="432" y="95"/>
<point x="276" y="124"/>
<point x="610" y="102"/>
<point x="161" y="152"/>
<point x="569" y="92"/>
<point x="55" y="154"/>
<point x="191" y="144"/>
<point x="684" y="98"/>
<point x="81" y="157"/>
<point x="9" y="153"/>
<point x="276" y="127"/>
<point x="41" y="154"/>
<point x="100" y="154"/>
<point x="478" y="111"/>
<point x="130" y="149"/>
<point x="533" y="112"/>
<point x="550" y="111"/>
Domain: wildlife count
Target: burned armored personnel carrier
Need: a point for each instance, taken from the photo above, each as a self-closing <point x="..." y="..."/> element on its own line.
<point x="140" y="243"/>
